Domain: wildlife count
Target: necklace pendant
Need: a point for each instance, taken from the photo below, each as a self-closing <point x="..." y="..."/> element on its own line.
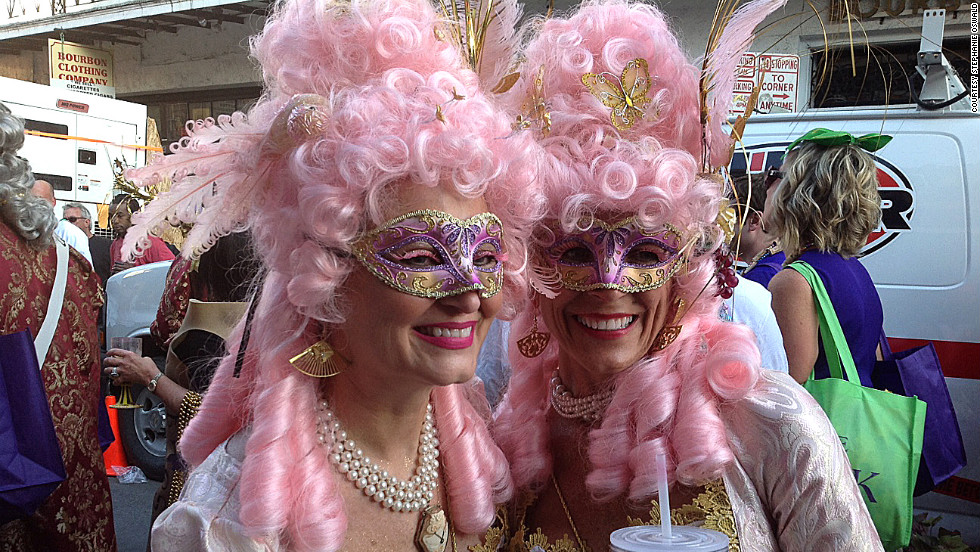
<point x="433" y="532"/>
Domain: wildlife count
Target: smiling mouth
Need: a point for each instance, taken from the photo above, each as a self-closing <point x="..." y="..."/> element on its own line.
<point x="436" y="331"/>
<point x="451" y="335"/>
<point x="606" y="324"/>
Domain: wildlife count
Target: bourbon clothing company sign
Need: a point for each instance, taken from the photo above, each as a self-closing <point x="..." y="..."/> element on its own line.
<point x="80" y="68"/>
<point x="776" y="75"/>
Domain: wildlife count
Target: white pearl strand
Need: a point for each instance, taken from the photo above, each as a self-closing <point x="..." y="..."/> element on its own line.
<point x="590" y="407"/>
<point x="388" y="491"/>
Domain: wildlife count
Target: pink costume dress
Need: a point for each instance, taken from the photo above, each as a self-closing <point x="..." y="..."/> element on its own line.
<point x="790" y="488"/>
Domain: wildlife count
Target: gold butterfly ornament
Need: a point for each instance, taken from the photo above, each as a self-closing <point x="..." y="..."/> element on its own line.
<point x="625" y="95"/>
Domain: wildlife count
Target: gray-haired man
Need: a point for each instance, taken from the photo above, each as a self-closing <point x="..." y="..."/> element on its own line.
<point x="79" y="215"/>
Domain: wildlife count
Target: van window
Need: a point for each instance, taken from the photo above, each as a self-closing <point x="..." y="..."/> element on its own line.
<point x="44" y="126"/>
<point x="58" y="182"/>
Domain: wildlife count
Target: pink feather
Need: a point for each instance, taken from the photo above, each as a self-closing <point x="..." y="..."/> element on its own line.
<point x="720" y="71"/>
<point x="501" y="43"/>
<point x="214" y="202"/>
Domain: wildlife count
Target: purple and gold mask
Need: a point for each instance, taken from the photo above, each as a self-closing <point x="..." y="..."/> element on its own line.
<point x="621" y="256"/>
<point x="434" y="254"/>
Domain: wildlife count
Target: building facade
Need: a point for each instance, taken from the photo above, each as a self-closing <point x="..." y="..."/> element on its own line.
<point x="188" y="59"/>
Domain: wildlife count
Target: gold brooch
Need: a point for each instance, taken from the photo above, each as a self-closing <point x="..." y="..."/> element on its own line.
<point x="535" y="111"/>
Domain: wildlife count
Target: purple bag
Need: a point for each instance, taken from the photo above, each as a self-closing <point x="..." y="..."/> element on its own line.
<point x="916" y="372"/>
<point x="31" y="466"/>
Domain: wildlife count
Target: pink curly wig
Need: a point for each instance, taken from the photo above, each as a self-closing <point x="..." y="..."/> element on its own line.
<point x="380" y="70"/>
<point x="601" y="37"/>
<point x="668" y="402"/>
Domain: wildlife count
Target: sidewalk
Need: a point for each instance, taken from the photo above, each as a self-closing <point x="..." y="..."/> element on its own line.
<point x="131" y="506"/>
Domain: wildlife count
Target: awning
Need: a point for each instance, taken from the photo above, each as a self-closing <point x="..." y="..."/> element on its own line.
<point x="119" y="22"/>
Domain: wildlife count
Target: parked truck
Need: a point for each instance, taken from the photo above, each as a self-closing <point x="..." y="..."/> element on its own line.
<point x="74" y="140"/>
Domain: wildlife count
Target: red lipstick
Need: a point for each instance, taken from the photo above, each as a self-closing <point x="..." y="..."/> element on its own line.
<point x="447" y="335"/>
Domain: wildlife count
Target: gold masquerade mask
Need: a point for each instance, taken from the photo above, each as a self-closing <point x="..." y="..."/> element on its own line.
<point x="434" y="254"/>
<point x="621" y="256"/>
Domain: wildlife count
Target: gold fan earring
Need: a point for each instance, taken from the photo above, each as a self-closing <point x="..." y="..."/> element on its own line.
<point x="535" y="342"/>
<point x="668" y="334"/>
<point x="319" y="360"/>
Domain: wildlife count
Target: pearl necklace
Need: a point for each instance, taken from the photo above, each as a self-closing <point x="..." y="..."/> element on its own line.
<point x="590" y="407"/>
<point x="377" y="484"/>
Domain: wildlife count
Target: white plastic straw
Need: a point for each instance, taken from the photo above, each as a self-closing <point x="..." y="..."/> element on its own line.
<point x="665" y="530"/>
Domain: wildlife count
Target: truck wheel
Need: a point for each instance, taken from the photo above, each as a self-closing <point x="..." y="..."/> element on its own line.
<point x="144" y="433"/>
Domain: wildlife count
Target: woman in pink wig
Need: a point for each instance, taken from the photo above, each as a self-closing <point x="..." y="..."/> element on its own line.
<point x="619" y="354"/>
<point x="388" y="202"/>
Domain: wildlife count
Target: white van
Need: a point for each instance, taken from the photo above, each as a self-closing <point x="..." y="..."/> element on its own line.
<point x="83" y="135"/>
<point x="924" y="257"/>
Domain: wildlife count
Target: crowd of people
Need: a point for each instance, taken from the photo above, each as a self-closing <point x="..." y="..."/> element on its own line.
<point x="399" y="193"/>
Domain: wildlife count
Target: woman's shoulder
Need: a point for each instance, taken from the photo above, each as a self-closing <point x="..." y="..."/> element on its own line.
<point x="776" y="400"/>
<point x="206" y="516"/>
<point x="777" y="419"/>
<point x="223" y="465"/>
<point x="832" y="262"/>
<point x="789" y="462"/>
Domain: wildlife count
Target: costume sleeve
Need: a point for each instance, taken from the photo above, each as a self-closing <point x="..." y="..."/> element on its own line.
<point x="173" y="303"/>
<point x="793" y="475"/>
<point x="206" y="516"/>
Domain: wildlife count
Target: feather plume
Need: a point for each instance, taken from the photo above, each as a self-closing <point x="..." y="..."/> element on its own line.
<point x="487" y="32"/>
<point x="731" y="34"/>
<point x="209" y="189"/>
<point x="501" y="44"/>
<point x="216" y="173"/>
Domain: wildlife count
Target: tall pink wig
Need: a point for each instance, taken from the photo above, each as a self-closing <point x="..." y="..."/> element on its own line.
<point x="668" y="401"/>
<point x="308" y="175"/>
<point x="601" y="37"/>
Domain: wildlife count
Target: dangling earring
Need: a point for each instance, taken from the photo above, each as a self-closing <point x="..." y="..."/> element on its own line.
<point x="668" y="334"/>
<point x="535" y="342"/>
<point x="319" y="360"/>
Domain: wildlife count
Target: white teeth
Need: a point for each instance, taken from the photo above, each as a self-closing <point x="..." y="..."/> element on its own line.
<point x="606" y="324"/>
<point x="435" y="331"/>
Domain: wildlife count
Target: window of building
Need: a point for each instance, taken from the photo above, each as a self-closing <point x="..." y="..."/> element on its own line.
<point x="884" y="73"/>
<point x="172" y="111"/>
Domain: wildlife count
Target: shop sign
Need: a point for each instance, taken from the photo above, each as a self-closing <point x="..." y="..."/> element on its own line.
<point x="776" y="75"/>
<point x="81" y="68"/>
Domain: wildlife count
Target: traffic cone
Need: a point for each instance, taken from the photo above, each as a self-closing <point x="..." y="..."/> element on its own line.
<point x="114" y="455"/>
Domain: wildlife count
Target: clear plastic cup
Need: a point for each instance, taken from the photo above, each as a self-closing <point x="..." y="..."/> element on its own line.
<point x="648" y="538"/>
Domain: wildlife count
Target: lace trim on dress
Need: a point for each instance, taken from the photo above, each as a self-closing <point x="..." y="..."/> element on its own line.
<point x="710" y="509"/>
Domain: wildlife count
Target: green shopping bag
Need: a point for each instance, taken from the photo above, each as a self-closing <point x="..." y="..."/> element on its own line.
<point x="881" y="431"/>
